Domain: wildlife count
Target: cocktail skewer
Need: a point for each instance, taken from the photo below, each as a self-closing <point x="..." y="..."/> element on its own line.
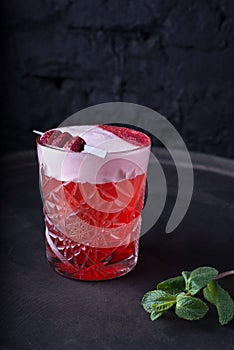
<point x="87" y="149"/>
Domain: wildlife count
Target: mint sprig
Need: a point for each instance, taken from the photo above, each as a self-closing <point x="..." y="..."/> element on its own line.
<point x="178" y="293"/>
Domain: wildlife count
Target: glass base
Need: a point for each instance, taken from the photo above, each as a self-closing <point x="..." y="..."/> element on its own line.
<point x="82" y="262"/>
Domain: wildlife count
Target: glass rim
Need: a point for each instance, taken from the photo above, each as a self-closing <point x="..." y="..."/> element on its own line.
<point x="38" y="141"/>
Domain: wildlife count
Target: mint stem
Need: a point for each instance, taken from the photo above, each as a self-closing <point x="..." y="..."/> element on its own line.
<point x="224" y="274"/>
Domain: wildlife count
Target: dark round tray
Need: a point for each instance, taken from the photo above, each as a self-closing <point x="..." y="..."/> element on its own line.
<point x="42" y="310"/>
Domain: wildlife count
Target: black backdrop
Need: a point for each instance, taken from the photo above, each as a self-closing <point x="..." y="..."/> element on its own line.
<point x="60" y="56"/>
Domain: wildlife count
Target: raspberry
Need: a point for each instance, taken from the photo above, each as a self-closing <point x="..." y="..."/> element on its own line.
<point x="76" y="144"/>
<point x="48" y="137"/>
<point x="61" y="139"/>
<point x="56" y="133"/>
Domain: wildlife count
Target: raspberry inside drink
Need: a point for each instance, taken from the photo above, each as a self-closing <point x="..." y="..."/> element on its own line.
<point x="93" y="206"/>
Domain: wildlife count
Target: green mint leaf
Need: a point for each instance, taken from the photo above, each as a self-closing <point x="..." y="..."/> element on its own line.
<point x="172" y="285"/>
<point x="154" y="315"/>
<point x="186" y="275"/>
<point x="218" y="296"/>
<point x="199" y="278"/>
<point x="190" y="308"/>
<point x="157" y="300"/>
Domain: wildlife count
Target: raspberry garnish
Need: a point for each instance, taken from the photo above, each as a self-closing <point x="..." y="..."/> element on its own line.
<point x="56" y="134"/>
<point x="48" y="137"/>
<point x="76" y="144"/>
<point x="61" y="139"/>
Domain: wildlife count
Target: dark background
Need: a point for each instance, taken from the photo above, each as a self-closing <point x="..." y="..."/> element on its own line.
<point x="60" y="56"/>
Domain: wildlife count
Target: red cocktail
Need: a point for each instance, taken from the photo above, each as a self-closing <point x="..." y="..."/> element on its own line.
<point x="92" y="205"/>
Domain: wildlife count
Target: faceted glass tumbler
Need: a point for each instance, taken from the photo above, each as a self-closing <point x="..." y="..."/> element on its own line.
<point x="92" y="209"/>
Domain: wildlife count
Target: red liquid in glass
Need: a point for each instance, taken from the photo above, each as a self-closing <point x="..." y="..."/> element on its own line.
<point x="77" y="214"/>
